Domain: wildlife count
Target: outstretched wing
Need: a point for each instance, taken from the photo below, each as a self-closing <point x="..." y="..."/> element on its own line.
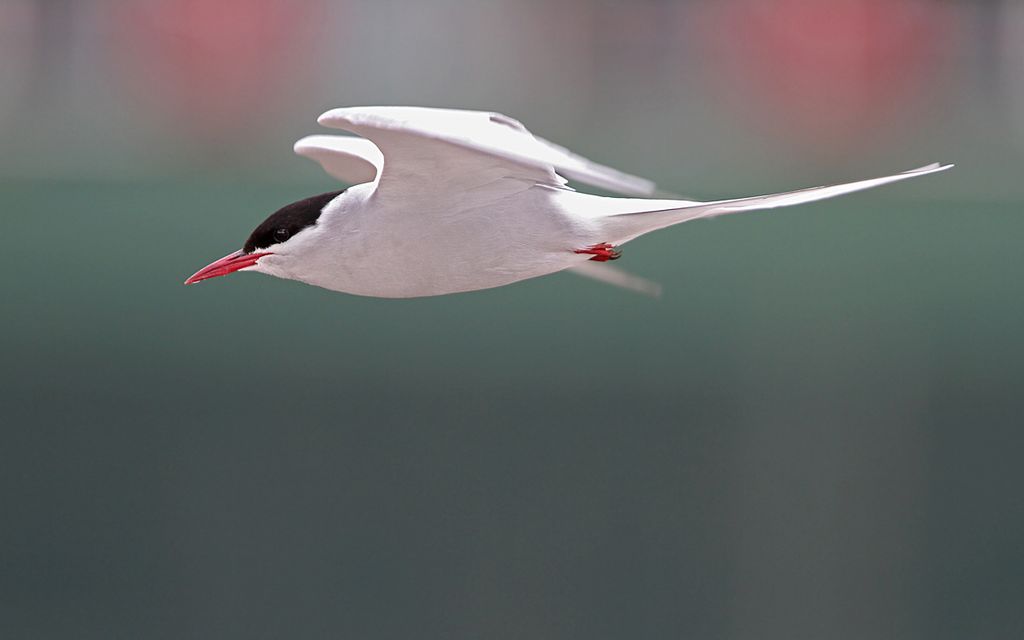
<point x="610" y="274"/>
<point x="426" y="149"/>
<point x="347" y="158"/>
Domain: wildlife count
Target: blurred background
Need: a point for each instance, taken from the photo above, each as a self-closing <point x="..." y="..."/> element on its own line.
<point x="815" y="433"/>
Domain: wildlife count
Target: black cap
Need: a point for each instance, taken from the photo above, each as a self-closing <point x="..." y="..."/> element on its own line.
<point x="288" y="220"/>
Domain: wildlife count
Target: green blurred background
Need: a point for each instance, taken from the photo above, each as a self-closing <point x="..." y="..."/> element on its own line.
<point x="815" y="433"/>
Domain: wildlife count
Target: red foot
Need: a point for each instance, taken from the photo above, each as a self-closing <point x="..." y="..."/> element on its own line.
<point x="602" y="252"/>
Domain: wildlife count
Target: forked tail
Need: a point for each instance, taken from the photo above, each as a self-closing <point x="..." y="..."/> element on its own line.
<point x="636" y="217"/>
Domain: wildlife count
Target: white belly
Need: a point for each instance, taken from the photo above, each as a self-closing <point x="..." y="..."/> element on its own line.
<point x="391" y="253"/>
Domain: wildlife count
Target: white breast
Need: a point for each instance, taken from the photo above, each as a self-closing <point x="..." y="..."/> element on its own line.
<point x="366" y="246"/>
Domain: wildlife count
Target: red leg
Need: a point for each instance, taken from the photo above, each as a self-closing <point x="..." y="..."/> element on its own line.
<point x="602" y="252"/>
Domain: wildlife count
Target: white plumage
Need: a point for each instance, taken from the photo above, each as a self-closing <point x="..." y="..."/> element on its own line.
<point x="449" y="200"/>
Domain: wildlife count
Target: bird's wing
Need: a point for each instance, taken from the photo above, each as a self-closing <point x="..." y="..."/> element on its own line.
<point x="424" y="148"/>
<point x="609" y="274"/>
<point x="347" y="158"/>
<point x="576" y="167"/>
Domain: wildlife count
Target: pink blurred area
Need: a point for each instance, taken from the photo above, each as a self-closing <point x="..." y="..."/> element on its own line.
<point x="829" y="74"/>
<point x="19" y="35"/>
<point x="109" y="87"/>
<point x="214" y="68"/>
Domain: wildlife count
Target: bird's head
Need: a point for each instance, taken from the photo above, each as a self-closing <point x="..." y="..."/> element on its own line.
<point x="282" y="235"/>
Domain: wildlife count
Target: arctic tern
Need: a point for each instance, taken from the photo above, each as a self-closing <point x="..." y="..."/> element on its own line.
<point x="446" y="201"/>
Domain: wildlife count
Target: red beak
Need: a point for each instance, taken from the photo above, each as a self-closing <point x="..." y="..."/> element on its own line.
<point x="228" y="264"/>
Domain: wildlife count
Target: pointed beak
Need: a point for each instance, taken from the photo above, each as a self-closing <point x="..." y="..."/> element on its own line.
<point x="228" y="264"/>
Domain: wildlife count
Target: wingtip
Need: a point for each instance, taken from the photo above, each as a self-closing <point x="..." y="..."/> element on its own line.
<point x="302" y="146"/>
<point x="332" y="117"/>
<point x="612" y="275"/>
<point x="933" y="167"/>
<point x="311" y="146"/>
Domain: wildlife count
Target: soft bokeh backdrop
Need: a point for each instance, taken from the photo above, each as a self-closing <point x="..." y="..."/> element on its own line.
<point x="815" y="433"/>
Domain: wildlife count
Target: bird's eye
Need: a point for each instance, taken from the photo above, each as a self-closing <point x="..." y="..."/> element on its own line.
<point x="281" y="234"/>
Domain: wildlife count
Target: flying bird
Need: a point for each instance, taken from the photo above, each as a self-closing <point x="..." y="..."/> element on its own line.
<point x="446" y="201"/>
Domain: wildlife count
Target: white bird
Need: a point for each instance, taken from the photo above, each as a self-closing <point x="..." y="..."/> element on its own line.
<point x="448" y="200"/>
